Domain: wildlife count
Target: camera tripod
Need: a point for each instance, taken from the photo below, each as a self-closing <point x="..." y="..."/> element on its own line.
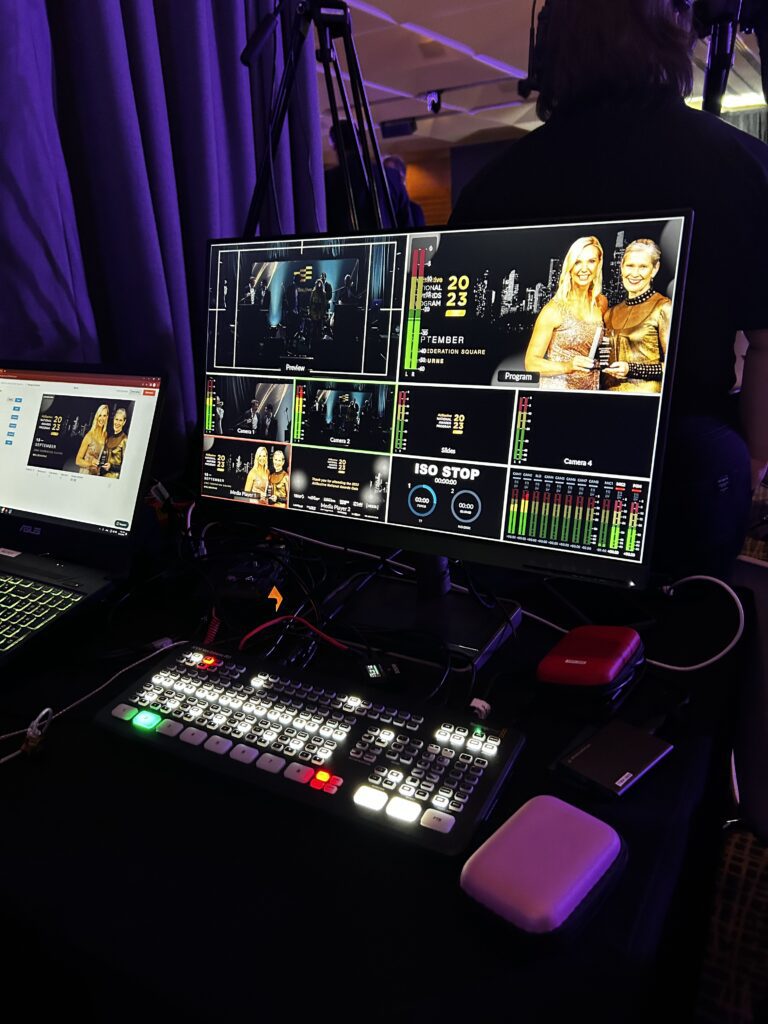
<point x="359" y="159"/>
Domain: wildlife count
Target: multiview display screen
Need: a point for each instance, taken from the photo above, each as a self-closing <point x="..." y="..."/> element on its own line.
<point x="504" y="386"/>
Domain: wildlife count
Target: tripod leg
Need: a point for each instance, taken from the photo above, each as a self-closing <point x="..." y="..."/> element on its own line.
<point x="299" y="31"/>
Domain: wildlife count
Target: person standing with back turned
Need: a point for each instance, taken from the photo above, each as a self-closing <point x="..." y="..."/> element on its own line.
<point x="611" y="76"/>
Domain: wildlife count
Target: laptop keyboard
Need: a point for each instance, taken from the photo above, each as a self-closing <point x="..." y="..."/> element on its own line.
<point x="27" y="605"/>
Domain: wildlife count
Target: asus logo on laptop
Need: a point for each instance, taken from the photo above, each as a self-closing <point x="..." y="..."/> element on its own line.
<point x="35" y="531"/>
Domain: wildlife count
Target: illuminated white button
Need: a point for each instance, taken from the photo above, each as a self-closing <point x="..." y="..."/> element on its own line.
<point x="271" y="763"/>
<point x="218" y="745"/>
<point x="326" y="731"/>
<point x="440" y="801"/>
<point x="193" y="736"/>
<point x="354" y="701"/>
<point x="244" y="754"/>
<point x="489" y="750"/>
<point x="457" y="739"/>
<point x="403" y="810"/>
<point x="442" y="735"/>
<point x="169" y="728"/>
<point x="367" y="796"/>
<point x="438" y="821"/>
<point x="339" y="735"/>
<point x="124" y="712"/>
<point x="299" y="773"/>
<point x="494" y="741"/>
<point x="474" y="744"/>
<point x="386" y="735"/>
<point x="194" y="658"/>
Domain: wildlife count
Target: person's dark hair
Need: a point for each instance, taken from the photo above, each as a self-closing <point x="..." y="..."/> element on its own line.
<point x="611" y="48"/>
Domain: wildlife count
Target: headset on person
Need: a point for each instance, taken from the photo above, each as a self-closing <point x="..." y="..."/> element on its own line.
<point x="718" y="20"/>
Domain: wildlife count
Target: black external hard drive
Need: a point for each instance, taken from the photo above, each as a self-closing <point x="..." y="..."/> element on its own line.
<point x="615" y="757"/>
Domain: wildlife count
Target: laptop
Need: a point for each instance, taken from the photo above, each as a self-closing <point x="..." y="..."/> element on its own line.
<point x="75" y="453"/>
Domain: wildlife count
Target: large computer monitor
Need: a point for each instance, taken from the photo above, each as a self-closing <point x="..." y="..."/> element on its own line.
<point x="451" y="391"/>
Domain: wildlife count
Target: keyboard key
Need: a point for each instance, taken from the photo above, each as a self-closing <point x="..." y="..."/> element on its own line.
<point x="439" y="821"/>
<point x="402" y="809"/>
<point x="270" y="763"/>
<point x="299" y="773"/>
<point x="370" y="798"/>
<point x="169" y="728"/>
<point x="244" y="754"/>
<point x="218" y="745"/>
<point x="124" y="712"/>
<point x="193" y="736"/>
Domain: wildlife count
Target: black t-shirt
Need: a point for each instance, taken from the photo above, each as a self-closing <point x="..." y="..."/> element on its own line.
<point x="616" y="159"/>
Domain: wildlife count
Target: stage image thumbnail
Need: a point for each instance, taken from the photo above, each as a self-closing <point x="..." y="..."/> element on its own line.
<point x="247" y="471"/>
<point x="458" y="422"/>
<point x="580" y="433"/>
<point x="496" y="307"/>
<point x="82" y="435"/>
<point x="340" y="483"/>
<point x="344" y="414"/>
<point x="248" y="407"/>
<point x="450" y="497"/>
<point x="327" y="306"/>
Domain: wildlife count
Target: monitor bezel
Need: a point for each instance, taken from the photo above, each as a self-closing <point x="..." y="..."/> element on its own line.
<point x="349" y="532"/>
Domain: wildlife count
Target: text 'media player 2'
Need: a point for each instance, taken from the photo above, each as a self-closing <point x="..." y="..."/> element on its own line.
<point x="498" y="392"/>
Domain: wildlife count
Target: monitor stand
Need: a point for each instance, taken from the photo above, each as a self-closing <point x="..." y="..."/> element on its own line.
<point x="425" y="603"/>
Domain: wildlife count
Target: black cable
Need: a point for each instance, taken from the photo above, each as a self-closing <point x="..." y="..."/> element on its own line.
<point x="493" y="604"/>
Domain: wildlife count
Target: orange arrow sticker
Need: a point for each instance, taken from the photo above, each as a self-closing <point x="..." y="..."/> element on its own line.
<point x="278" y="597"/>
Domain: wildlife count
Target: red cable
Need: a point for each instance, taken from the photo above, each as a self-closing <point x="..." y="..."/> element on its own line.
<point x="213" y="628"/>
<point x="292" y="618"/>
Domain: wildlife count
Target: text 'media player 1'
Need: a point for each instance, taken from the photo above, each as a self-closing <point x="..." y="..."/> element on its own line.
<point x="501" y="390"/>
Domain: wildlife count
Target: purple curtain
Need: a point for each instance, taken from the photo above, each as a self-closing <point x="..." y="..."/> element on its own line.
<point x="130" y="136"/>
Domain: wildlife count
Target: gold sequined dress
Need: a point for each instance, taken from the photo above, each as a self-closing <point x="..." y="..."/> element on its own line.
<point x="634" y="337"/>
<point x="574" y="337"/>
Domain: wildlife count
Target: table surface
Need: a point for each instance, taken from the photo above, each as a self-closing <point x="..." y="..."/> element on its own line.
<point x="146" y="881"/>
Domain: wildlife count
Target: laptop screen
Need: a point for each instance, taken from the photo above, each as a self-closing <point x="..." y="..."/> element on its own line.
<point x="74" y="446"/>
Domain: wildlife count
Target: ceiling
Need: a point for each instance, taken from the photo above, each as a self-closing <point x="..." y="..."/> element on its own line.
<point x="474" y="52"/>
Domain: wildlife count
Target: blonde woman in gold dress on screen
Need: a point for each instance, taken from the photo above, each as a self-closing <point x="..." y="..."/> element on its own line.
<point x="89" y="454"/>
<point x="257" y="481"/>
<point x="569" y="327"/>
<point x="638" y="327"/>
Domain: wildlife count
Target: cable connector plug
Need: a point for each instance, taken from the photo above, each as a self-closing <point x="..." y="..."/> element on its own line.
<point x="161" y="643"/>
<point x="480" y="708"/>
<point x="36" y="730"/>
<point x="159" y="492"/>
